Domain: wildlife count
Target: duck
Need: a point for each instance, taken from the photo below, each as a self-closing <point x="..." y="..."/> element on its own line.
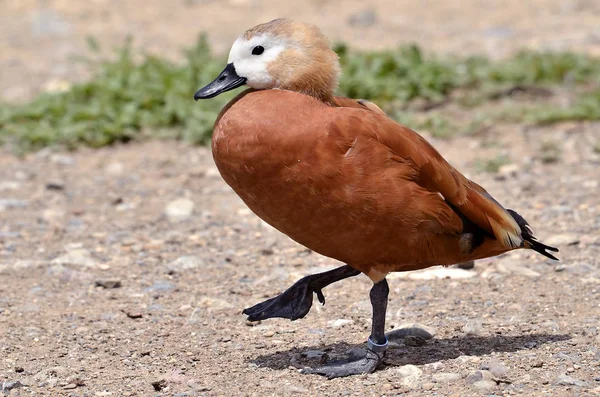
<point x="340" y="177"/>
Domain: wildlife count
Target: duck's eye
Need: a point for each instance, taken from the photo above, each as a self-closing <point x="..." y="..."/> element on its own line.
<point x="258" y="50"/>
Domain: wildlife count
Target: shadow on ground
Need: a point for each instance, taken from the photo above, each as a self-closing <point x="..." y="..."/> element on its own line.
<point x="435" y="350"/>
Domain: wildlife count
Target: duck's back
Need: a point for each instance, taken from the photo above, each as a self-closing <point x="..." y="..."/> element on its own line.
<point x="317" y="174"/>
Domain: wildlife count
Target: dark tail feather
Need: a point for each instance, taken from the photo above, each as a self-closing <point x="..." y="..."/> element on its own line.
<point x="529" y="240"/>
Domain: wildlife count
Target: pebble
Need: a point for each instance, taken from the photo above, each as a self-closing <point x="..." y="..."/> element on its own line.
<point x="479" y="376"/>
<point x="444" y="377"/>
<point x="160" y="286"/>
<point x="415" y="330"/>
<point x="508" y="170"/>
<point x="76" y="257"/>
<point x="340" y="322"/>
<point x="179" y="210"/>
<point x="214" y="303"/>
<point x="512" y="265"/>
<point x="56" y="184"/>
<point x="473" y="327"/>
<point x="186" y="262"/>
<point x="10" y="385"/>
<point x="13" y="203"/>
<point x="9" y="185"/>
<point x="108" y="284"/>
<point x="497" y="368"/>
<point x="410" y="374"/>
<point x="566" y="380"/>
<point x="484" y="385"/>
<point x="559" y="240"/>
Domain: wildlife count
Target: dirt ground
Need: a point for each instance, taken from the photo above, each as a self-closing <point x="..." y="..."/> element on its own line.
<point x="124" y="271"/>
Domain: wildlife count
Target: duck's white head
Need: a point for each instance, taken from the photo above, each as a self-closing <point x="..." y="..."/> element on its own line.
<point x="281" y="54"/>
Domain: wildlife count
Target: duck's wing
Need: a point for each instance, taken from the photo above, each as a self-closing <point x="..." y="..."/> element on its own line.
<point x="340" y="101"/>
<point x="433" y="173"/>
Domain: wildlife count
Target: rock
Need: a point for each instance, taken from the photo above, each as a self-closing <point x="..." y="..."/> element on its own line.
<point x="13" y="203"/>
<point x="61" y="159"/>
<point x="473" y="327"/>
<point x="179" y="210"/>
<point x="160" y="286"/>
<point x="108" y="284"/>
<point x="559" y="240"/>
<point x="515" y="265"/>
<point x="340" y="322"/>
<point x="70" y="386"/>
<point x="314" y="353"/>
<point x="414" y="341"/>
<point x="9" y="185"/>
<point x="56" y="184"/>
<point x="484" y="385"/>
<point x="566" y="380"/>
<point x="446" y="377"/>
<point x="435" y="273"/>
<point x="466" y="265"/>
<point x="497" y="368"/>
<point x="507" y="171"/>
<point x="115" y="168"/>
<point x="9" y="385"/>
<point x="186" y="262"/>
<point x="415" y="330"/>
<point x="76" y="257"/>
<point x="214" y="303"/>
<point x="479" y="376"/>
<point x="410" y="375"/>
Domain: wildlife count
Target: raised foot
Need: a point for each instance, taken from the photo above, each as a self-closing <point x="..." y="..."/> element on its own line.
<point x="365" y="365"/>
<point x="293" y="303"/>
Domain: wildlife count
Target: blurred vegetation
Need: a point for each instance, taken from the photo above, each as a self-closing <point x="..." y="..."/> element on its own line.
<point x="152" y="97"/>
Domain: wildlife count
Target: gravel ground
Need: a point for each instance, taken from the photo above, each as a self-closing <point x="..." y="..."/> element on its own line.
<point x="124" y="270"/>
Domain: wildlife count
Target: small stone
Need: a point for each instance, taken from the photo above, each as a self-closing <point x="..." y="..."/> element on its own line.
<point x="76" y="257"/>
<point x="115" y="168"/>
<point x="12" y="203"/>
<point x="186" y="262"/>
<point x="158" y="385"/>
<point x="484" y="385"/>
<point x="508" y="171"/>
<point x="473" y="327"/>
<point x="497" y="368"/>
<point x="253" y="323"/>
<point x="446" y="377"/>
<point x="414" y="341"/>
<point x="133" y="314"/>
<point x="9" y="185"/>
<point x="428" y="386"/>
<point x="566" y="380"/>
<point x="405" y="330"/>
<point x="179" y="210"/>
<point x="19" y="369"/>
<point x="314" y="353"/>
<point x="214" y="303"/>
<point x="160" y="286"/>
<point x="10" y="385"/>
<point x="70" y="386"/>
<point x="410" y="375"/>
<point x="559" y="240"/>
<point x="339" y="323"/>
<point x="466" y="265"/>
<point x="108" y="284"/>
<point x="56" y="184"/>
<point x="478" y="376"/>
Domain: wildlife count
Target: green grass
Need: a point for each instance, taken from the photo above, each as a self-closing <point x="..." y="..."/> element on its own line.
<point x="129" y="99"/>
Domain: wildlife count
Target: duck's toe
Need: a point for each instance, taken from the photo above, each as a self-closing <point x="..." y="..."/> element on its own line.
<point x="364" y="365"/>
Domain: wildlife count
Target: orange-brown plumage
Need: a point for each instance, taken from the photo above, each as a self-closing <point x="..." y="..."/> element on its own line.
<point x="352" y="184"/>
<point x="340" y="177"/>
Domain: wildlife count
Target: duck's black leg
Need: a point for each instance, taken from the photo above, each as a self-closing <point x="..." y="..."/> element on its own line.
<point x="296" y="301"/>
<point x="376" y="344"/>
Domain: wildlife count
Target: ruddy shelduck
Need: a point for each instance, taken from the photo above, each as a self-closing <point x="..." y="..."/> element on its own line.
<point x="341" y="178"/>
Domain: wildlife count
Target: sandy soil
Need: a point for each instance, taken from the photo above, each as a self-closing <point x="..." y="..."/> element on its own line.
<point x="123" y="271"/>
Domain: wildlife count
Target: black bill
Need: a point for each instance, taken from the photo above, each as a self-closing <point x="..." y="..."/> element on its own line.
<point x="227" y="80"/>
